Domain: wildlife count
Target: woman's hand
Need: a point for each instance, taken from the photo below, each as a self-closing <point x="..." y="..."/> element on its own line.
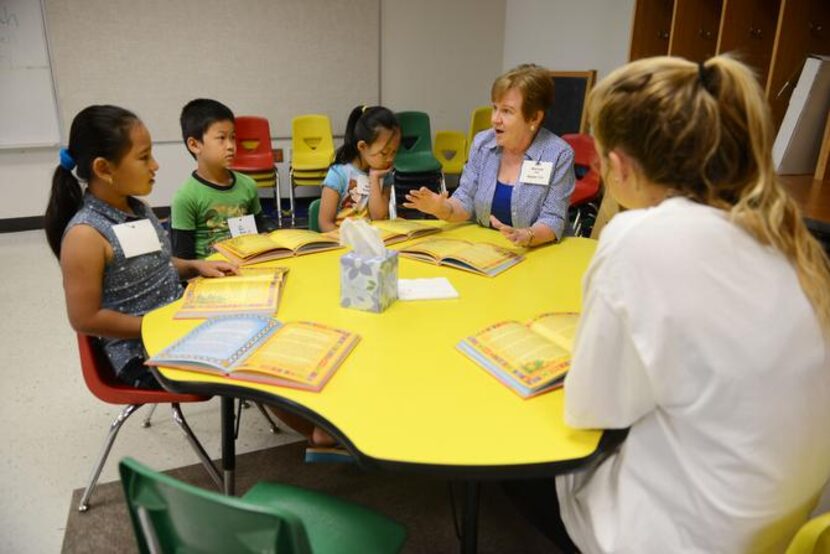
<point x="426" y="201"/>
<point x="214" y="269"/>
<point x="519" y="237"/>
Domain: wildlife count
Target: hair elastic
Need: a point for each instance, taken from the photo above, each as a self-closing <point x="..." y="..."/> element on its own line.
<point x="704" y="75"/>
<point x="66" y="160"/>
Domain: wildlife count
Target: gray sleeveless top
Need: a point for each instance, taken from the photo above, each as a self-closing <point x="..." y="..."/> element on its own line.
<point x="134" y="285"/>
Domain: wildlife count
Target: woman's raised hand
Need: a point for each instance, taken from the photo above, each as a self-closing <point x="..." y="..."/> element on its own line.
<point x="426" y="201"/>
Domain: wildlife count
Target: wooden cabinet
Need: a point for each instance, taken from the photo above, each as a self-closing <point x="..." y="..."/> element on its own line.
<point x="772" y="36"/>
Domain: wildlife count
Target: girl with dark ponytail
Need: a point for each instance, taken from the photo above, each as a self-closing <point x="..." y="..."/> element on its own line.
<point x="358" y="184"/>
<point x="114" y="254"/>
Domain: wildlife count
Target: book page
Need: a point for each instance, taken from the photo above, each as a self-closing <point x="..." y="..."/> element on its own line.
<point x="301" y="351"/>
<point x="252" y="290"/>
<point x="515" y="349"/>
<point x="294" y="239"/>
<point x="246" y="246"/>
<point x="483" y="256"/>
<point x="403" y="227"/>
<point x="557" y="327"/>
<point x="439" y="248"/>
<point x="218" y="342"/>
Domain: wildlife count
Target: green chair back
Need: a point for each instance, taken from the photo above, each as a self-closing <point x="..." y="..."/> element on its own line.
<point x="415" y="153"/>
<point x="314" y="215"/>
<point x="171" y="516"/>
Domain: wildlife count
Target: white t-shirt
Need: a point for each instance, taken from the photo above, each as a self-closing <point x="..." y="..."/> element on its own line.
<point x="701" y="340"/>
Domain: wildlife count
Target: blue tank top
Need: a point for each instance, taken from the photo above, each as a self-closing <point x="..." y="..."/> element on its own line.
<point x="501" y="203"/>
<point x="134" y="285"/>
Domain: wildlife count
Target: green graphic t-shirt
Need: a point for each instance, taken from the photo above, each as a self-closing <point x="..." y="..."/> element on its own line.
<point x="205" y="207"/>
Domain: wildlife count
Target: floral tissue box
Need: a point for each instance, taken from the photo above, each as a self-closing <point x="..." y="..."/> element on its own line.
<point x="368" y="283"/>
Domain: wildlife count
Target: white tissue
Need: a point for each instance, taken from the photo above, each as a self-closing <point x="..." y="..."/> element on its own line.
<point x="363" y="238"/>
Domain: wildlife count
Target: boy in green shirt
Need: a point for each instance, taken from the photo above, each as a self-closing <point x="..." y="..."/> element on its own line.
<point x="213" y="193"/>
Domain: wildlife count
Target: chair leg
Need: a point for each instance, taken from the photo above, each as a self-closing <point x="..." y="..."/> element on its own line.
<point x="278" y="196"/>
<point x="96" y="471"/>
<point x="273" y="426"/>
<point x="146" y="423"/>
<point x="291" y="195"/>
<point x="178" y="417"/>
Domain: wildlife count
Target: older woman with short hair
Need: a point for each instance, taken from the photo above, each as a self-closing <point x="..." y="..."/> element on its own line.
<point x="519" y="176"/>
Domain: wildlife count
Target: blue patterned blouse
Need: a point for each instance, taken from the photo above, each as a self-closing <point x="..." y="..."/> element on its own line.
<point x="529" y="203"/>
<point x="131" y="285"/>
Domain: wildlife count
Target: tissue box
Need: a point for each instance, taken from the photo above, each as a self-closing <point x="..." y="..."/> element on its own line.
<point x="369" y="283"/>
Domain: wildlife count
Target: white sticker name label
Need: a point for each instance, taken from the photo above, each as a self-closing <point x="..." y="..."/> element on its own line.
<point x="243" y="225"/>
<point x="536" y="173"/>
<point x="137" y="237"/>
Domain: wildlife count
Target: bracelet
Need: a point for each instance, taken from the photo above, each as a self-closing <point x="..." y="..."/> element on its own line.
<point x="530" y="240"/>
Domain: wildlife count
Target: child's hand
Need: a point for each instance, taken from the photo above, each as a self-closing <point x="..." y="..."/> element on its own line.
<point x="215" y="269"/>
<point x="519" y="237"/>
<point x="378" y="174"/>
<point x="424" y="200"/>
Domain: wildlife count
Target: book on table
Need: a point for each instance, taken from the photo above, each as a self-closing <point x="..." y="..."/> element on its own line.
<point x="530" y="358"/>
<point x="478" y="257"/>
<point x="297" y="354"/>
<point x="393" y="231"/>
<point x="282" y="243"/>
<point x="254" y="291"/>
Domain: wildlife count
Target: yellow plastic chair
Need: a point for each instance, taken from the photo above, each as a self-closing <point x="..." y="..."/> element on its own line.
<point x="312" y="152"/>
<point x="813" y="537"/>
<point x="451" y="150"/>
<point x="479" y="121"/>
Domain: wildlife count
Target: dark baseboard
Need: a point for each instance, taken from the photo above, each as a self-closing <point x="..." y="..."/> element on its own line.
<point x="15" y="224"/>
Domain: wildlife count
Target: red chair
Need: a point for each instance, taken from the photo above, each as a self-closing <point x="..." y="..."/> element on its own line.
<point x="584" y="204"/>
<point x="100" y="380"/>
<point x="254" y="156"/>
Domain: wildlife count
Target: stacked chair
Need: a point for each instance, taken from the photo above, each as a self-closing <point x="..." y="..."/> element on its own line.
<point x="586" y="196"/>
<point x="415" y="164"/>
<point x="479" y="121"/>
<point x="450" y="150"/>
<point x="255" y="158"/>
<point x="312" y="152"/>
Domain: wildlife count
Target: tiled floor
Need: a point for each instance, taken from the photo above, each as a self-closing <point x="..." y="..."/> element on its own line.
<point x="51" y="427"/>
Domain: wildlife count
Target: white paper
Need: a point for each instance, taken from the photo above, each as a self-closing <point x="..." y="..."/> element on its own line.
<point x="243" y="225"/>
<point x="137" y="237"/>
<point x="536" y="173"/>
<point x="425" y="289"/>
<point x="363" y="188"/>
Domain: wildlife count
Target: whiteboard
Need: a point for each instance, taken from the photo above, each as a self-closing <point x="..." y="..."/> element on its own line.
<point x="28" y="113"/>
<point x="273" y="58"/>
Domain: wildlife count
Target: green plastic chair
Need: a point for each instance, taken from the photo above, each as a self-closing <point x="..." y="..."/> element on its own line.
<point x="813" y="537"/>
<point x="314" y="215"/>
<point x="415" y="154"/>
<point x="171" y="516"/>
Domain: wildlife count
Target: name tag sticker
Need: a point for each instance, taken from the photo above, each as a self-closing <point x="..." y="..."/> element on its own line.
<point x="362" y="184"/>
<point x="244" y="225"/>
<point x="137" y="237"/>
<point x="536" y="173"/>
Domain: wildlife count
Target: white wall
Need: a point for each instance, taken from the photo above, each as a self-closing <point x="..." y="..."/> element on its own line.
<point x="568" y="35"/>
<point x="439" y="57"/>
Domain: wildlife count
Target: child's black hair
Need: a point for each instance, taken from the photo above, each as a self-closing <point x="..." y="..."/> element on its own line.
<point x="365" y="123"/>
<point x="198" y="115"/>
<point x="96" y="132"/>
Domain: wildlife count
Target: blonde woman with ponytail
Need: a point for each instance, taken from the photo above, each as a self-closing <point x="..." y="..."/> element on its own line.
<point x="705" y="326"/>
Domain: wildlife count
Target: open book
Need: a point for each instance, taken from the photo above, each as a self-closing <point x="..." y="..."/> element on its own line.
<point x="400" y="230"/>
<point x="297" y="354"/>
<point x="253" y="291"/>
<point x="282" y="243"/>
<point x="395" y="230"/>
<point x="479" y="257"/>
<point x="530" y="358"/>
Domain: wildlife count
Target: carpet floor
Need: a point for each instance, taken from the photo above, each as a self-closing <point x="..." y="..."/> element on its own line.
<point x="421" y="503"/>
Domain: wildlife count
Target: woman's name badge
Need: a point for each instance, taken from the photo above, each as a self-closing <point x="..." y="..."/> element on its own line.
<point x="243" y="225"/>
<point x="536" y="173"/>
<point x="137" y="237"/>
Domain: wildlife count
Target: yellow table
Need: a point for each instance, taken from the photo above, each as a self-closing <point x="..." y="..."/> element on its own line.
<point x="405" y="398"/>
